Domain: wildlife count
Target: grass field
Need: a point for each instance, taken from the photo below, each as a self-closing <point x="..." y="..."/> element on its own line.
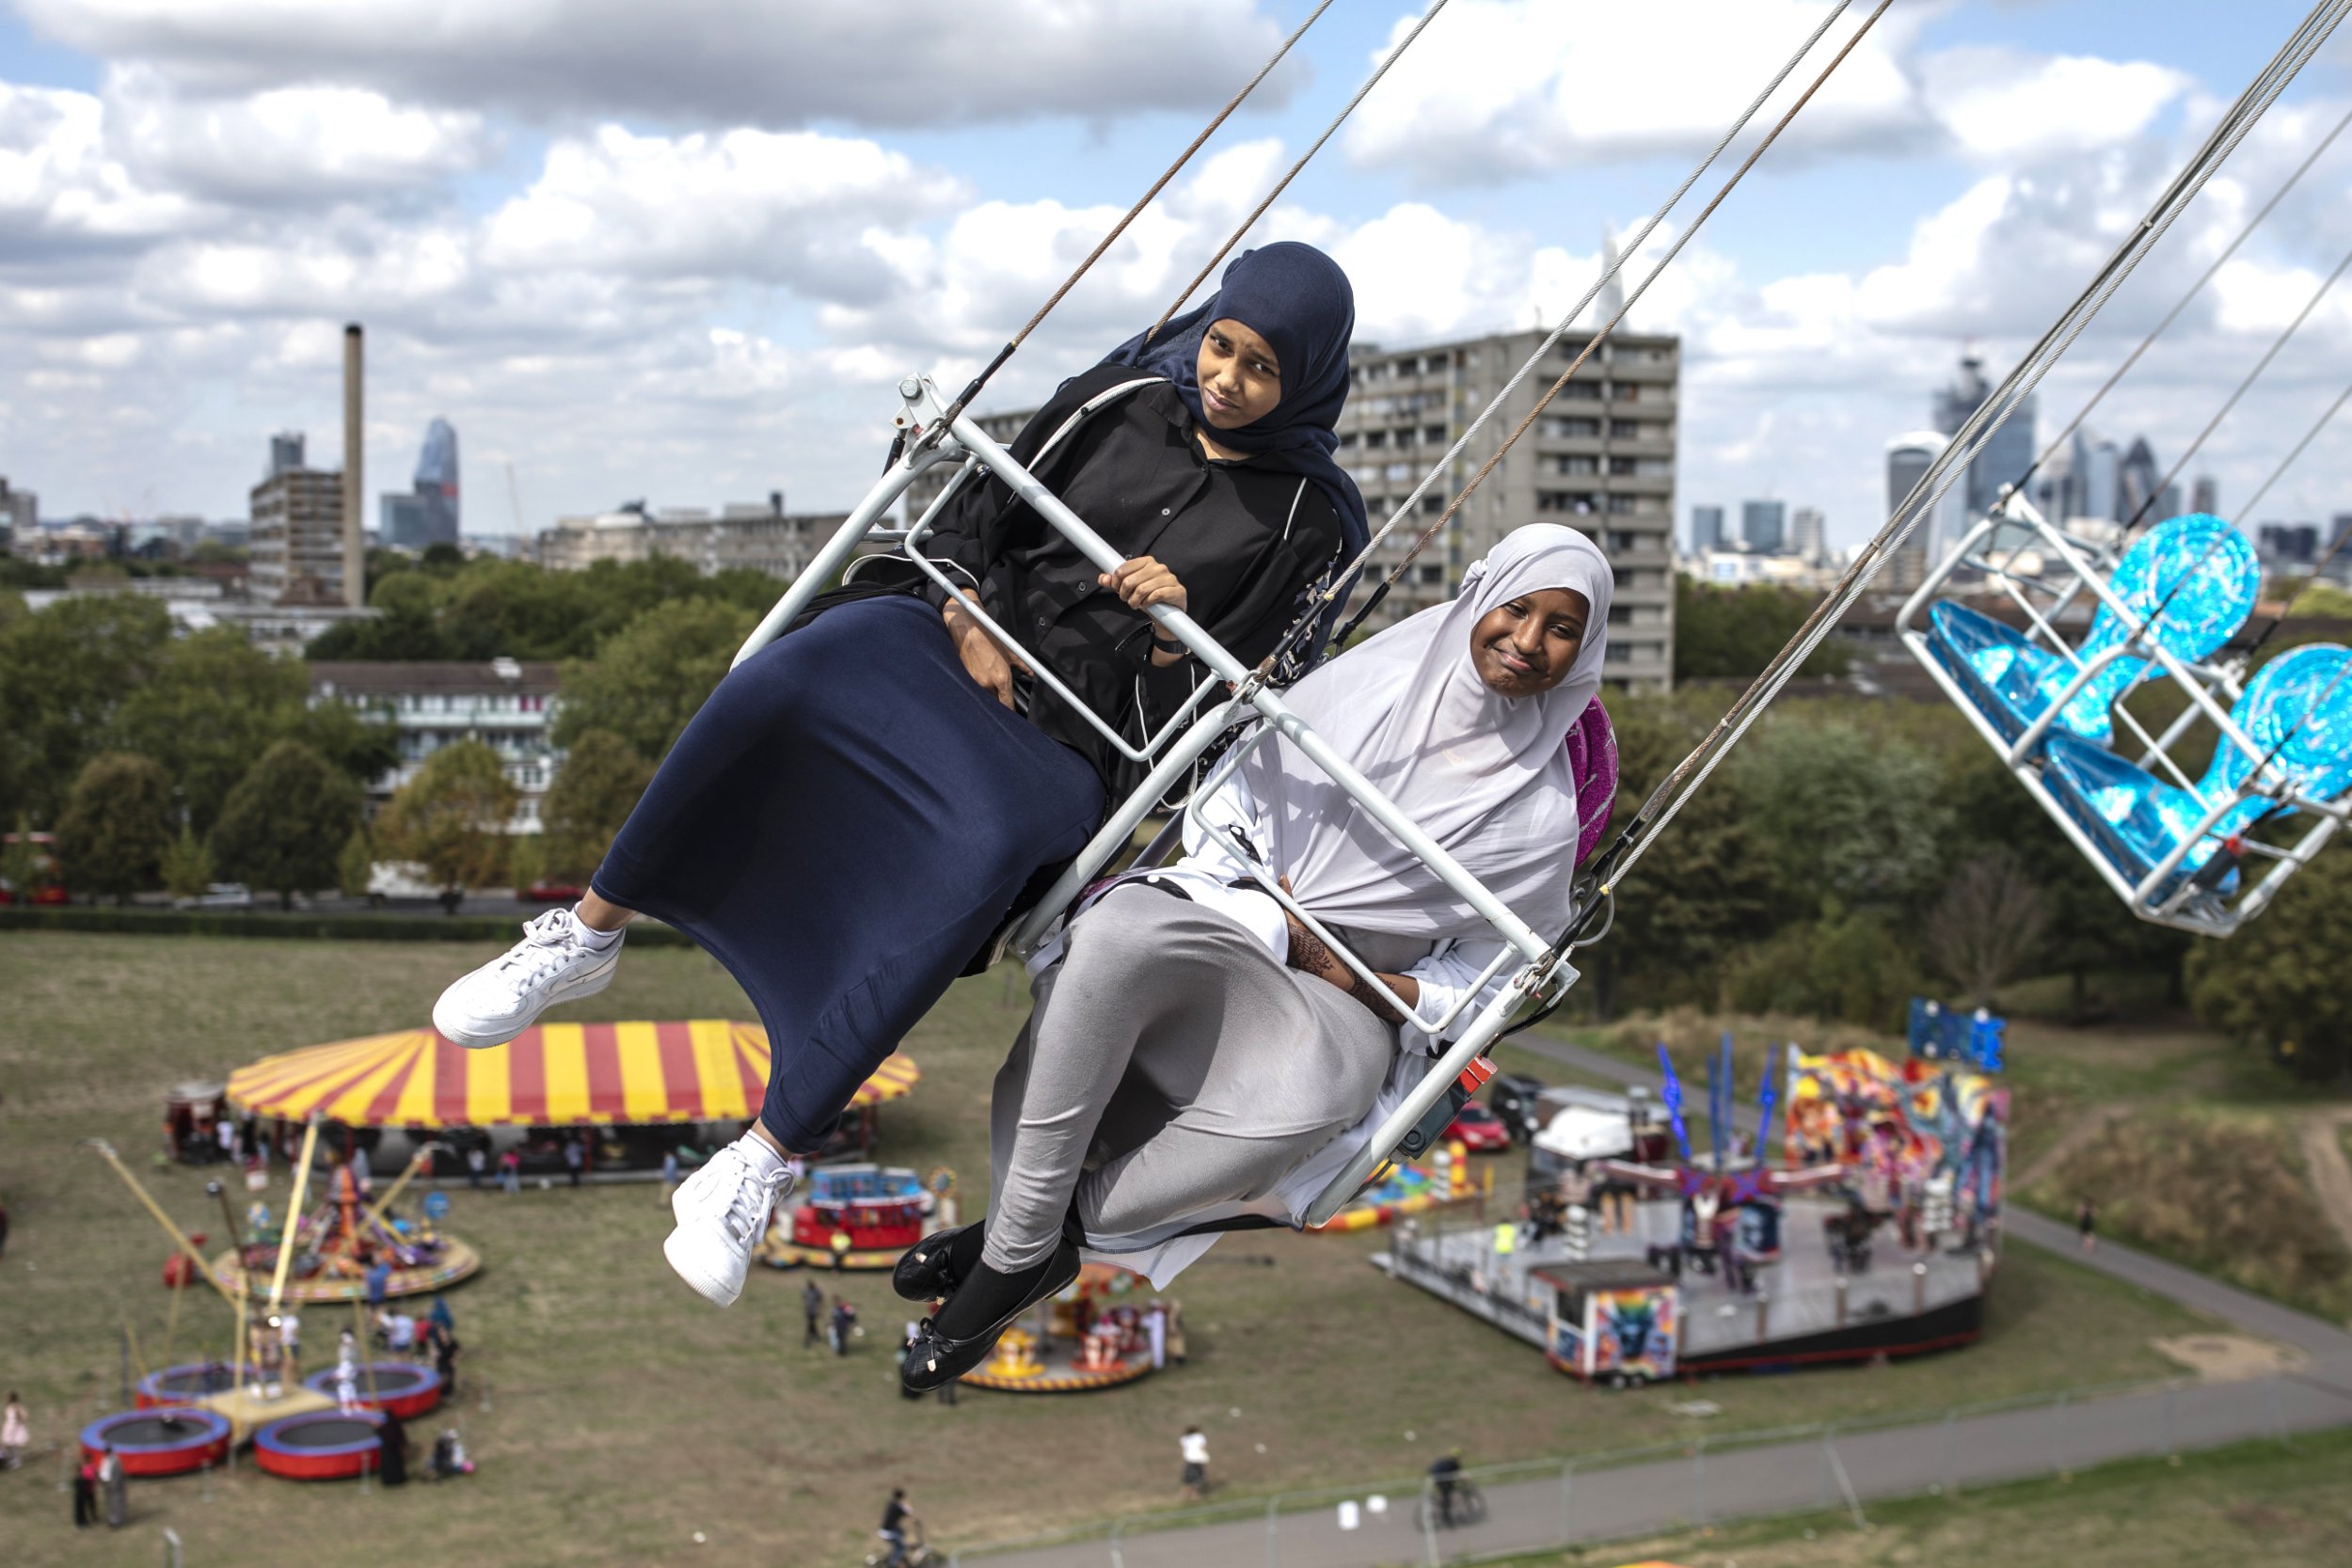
<point x="624" y="1415"/>
<point x="2255" y="1504"/>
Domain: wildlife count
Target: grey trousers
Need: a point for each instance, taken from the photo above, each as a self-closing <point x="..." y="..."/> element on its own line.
<point x="1169" y="1063"/>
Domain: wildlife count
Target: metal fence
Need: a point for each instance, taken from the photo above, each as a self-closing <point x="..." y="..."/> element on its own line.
<point x="1666" y="1488"/>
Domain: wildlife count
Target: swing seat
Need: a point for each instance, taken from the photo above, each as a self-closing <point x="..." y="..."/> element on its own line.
<point x="2297" y="710"/>
<point x="2190" y="581"/>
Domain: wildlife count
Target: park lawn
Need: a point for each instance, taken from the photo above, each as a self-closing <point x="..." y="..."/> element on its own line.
<point x="613" y="1415"/>
<point x="2249" y="1503"/>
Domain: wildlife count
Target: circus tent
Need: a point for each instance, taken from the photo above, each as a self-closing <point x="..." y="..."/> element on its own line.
<point x="556" y="1074"/>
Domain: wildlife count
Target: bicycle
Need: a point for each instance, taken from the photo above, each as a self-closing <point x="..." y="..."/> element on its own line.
<point x="1467" y="1507"/>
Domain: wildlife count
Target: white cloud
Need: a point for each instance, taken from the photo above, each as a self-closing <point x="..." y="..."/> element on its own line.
<point x="287" y="146"/>
<point x="2001" y="104"/>
<point x="61" y="188"/>
<point x="772" y="63"/>
<point x="1501" y="88"/>
<point x="794" y="206"/>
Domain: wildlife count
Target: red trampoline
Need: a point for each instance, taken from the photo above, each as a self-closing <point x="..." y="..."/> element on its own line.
<point x="190" y="1379"/>
<point x="323" y="1445"/>
<point x="403" y="1387"/>
<point x="168" y="1441"/>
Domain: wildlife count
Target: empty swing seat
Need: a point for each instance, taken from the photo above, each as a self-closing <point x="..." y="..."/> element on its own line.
<point x="2191" y="581"/>
<point x="2297" y="711"/>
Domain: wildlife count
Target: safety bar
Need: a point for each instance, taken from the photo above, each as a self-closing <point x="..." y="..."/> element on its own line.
<point x="1543" y="967"/>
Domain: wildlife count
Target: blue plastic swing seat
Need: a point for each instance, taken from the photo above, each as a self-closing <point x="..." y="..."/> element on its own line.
<point x="2297" y="710"/>
<point x="2191" y="579"/>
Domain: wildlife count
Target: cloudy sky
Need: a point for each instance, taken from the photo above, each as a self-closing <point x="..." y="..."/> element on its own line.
<point x="680" y="251"/>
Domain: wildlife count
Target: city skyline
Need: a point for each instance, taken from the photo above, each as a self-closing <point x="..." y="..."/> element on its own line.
<point x="659" y="271"/>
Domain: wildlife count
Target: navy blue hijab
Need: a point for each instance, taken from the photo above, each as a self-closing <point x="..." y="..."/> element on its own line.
<point x="1300" y="301"/>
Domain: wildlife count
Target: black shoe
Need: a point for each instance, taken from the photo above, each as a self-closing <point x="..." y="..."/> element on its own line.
<point x="933" y="1268"/>
<point x="935" y="1358"/>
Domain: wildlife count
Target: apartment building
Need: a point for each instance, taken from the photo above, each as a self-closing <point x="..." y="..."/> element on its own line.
<point x="765" y="538"/>
<point x="505" y="703"/>
<point x="296" y="541"/>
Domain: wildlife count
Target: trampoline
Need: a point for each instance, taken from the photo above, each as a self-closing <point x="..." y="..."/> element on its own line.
<point x="321" y="1446"/>
<point x="186" y="1382"/>
<point x="402" y="1387"/>
<point x="164" y="1441"/>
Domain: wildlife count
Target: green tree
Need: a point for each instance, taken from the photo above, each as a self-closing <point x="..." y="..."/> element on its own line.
<point x="1701" y="889"/>
<point x="1842" y="814"/>
<point x="188" y="869"/>
<point x="591" y="796"/>
<point x="2281" y="983"/>
<point x="527" y="861"/>
<point x="1732" y="633"/>
<point x="63" y="670"/>
<point x="649" y="680"/>
<point x="284" y="825"/>
<point x="355" y="868"/>
<point x="116" y="825"/>
<point x="22" y="863"/>
<point x="450" y="819"/>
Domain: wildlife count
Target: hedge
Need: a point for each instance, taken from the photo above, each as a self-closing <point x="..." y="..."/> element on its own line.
<point x="258" y="923"/>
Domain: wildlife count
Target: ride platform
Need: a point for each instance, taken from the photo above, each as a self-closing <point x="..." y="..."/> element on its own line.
<point x="247" y="1412"/>
<point x="1018" y="1367"/>
<point x="459" y="1260"/>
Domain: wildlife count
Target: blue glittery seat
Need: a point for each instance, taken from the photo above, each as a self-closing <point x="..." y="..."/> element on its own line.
<point x="2297" y="710"/>
<point x="2191" y="579"/>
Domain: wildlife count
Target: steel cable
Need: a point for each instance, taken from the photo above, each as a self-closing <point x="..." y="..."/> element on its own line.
<point x="963" y="399"/>
<point x="1341" y="582"/>
<point x="1282" y="184"/>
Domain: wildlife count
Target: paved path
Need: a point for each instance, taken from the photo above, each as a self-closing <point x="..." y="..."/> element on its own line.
<point x="1680" y="1492"/>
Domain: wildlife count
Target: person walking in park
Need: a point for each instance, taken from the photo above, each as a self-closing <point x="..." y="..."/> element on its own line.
<point x="16" y="1432"/>
<point x="85" y="1492"/>
<point x="1194" y="1446"/>
<point x="511" y="1173"/>
<point x="115" y="1483"/>
<point x="844" y="1319"/>
<point x="289" y="1340"/>
<point x="2086" y="1226"/>
<point x="378" y="1282"/>
<point x="669" y="1176"/>
<point x="476" y="1161"/>
<point x="392" y="1458"/>
<point x="575" y="1157"/>
<point x="812" y="1314"/>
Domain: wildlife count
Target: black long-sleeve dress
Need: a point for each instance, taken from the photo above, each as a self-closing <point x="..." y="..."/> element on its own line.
<point x="850" y="815"/>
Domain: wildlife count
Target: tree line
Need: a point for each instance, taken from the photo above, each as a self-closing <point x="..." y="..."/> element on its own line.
<point x="1850" y="853"/>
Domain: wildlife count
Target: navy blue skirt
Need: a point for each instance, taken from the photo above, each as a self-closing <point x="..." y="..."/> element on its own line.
<point x="842" y="825"/>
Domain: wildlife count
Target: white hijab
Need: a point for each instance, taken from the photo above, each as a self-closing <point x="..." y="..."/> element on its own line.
<point x="1487" y="776"/>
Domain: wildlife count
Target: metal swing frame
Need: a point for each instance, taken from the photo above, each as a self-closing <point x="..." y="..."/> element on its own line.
<point x="2073" y="576"/>
<point x="930" y="431"/>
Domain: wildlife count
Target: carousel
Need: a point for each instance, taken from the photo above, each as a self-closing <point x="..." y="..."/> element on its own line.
<point x="1097" y="1334"/>
<point x="1400" y="1191"/>
<point x="858" y="1216"/>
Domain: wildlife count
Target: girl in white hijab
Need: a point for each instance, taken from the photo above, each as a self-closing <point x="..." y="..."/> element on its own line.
<point x="1194" y="1052"/>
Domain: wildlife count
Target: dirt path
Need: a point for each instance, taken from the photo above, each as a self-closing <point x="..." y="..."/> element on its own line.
<point x="2332" y="1176"/>
<point x="2087" y="1127"/>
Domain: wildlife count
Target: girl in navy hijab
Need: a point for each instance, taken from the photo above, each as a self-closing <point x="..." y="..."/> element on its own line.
<point x="862" y="804"/>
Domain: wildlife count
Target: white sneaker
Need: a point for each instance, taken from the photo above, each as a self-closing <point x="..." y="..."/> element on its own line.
<point x="722" y="1213"/>
<point x="504" y="997"/>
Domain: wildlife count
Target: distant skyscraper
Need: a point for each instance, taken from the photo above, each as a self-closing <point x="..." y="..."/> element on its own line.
<point x="2005" y="457"/>
<point x="1809" y="535"/>
<point x="2287" y="544"/>
<point x="1908" y="459"/>
<point x="1707" y="529"/>
<point x="1763" y="527"/>
<point x="2205" y="496"/>
<point x="437" y="484"/>
<point x="2137" y="499"/>
<point x="285" y="452"/>
<point x="400" y="521"/>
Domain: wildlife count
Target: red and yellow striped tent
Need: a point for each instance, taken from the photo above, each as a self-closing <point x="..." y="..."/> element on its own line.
<point x="555" y="1075"/>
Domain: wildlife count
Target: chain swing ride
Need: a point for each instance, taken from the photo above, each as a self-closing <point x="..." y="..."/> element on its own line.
<point x="2286" y="739"/>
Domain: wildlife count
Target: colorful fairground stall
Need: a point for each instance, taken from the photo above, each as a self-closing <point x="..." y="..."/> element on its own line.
<point x="1863" y="1222"/>
<point x="1101" y="1332"/>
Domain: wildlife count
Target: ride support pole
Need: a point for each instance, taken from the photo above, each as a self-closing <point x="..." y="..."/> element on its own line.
<point x="290" y="1236"/>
